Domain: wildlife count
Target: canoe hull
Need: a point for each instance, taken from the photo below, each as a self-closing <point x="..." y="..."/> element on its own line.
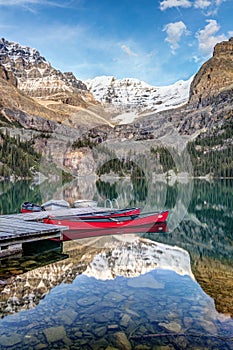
<point x="110" y="223"/>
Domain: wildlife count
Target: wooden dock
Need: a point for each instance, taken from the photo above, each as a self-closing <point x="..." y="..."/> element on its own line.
<point x="16" y="229"/>
<point x="14" y="232"/>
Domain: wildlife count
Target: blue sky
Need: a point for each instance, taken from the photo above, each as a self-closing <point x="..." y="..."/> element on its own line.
<point x="158" y="42"/>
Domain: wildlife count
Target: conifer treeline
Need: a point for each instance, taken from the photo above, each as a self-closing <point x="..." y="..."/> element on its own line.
<point x="213" y="153"/>
<point x="17" y="157"/>
<point x="123" y="167"/>
<point x="206" y="159"/>
<point x="164" y="157"/>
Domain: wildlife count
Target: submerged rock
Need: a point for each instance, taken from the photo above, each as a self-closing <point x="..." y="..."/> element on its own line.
<point x="10" y="341"/>
<point x="54" y="334"/>
<point x="122" y="341"/>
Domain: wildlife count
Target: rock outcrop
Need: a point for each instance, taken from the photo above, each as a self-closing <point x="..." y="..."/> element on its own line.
<point x="8" y="76"/>
<point x="37" y="78"/>
<point x="214" y="76"/>
<point x="16" y="106"/>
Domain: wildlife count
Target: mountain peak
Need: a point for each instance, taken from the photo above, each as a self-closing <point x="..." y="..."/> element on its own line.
<point x="215" y="75"/>
<point x="130" y="94"/>
<point x="11" y="52"/>
<point x="37" y="78"/>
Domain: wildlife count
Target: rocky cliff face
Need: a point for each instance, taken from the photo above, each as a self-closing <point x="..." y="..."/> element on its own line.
<point x="25" y="111"/>
<point x="215" y="76"/>
<point x="211" y="99"/>
<point x="8" y="76"/>
<point x="37" y="78"/>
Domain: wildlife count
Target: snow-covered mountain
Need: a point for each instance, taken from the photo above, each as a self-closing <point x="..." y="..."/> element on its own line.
<point x="134" y="95"/>
<point x="36" y="77"/>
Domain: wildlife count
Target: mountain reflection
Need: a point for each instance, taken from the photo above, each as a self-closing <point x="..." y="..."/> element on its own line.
<point x="122" y="292"/>
<point x="132" y="256"/>
<point x="100" y="257"/>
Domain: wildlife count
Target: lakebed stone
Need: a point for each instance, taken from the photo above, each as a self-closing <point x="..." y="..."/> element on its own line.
<point x="171" y="326"/>
<point x="12" y="340"/>
<point x="54" y="334"/>
<point x="122" y="341"/>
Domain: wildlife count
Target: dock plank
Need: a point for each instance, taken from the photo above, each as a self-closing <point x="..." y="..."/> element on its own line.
<point x="14" y="231"/>
<point x="19" y="224"/>
<point x="36" y="216"/>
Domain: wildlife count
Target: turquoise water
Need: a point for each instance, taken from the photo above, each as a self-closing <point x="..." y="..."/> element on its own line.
<point x="127" y="291"/>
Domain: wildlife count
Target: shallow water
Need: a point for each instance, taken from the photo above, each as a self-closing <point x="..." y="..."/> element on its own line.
<point x="128" y="291"/>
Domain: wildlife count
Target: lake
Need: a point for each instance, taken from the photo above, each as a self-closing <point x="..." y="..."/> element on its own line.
<point x="163" y="290"/>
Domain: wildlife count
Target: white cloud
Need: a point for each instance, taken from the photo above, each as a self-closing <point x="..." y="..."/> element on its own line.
<point x="128" y="51"/>
<point x="198" y="4"/>
<point x="207" y="38"/>
<point x="211" y="5"/>
<point x="202" y="4"/>
<point x="174" y="33"/>
<point x="165" y="4"/>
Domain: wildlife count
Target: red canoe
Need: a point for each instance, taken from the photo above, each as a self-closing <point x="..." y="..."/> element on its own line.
<point x="94" y="223"/>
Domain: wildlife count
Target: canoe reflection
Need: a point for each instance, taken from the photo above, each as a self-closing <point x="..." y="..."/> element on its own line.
<point x="77" y="234"/>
